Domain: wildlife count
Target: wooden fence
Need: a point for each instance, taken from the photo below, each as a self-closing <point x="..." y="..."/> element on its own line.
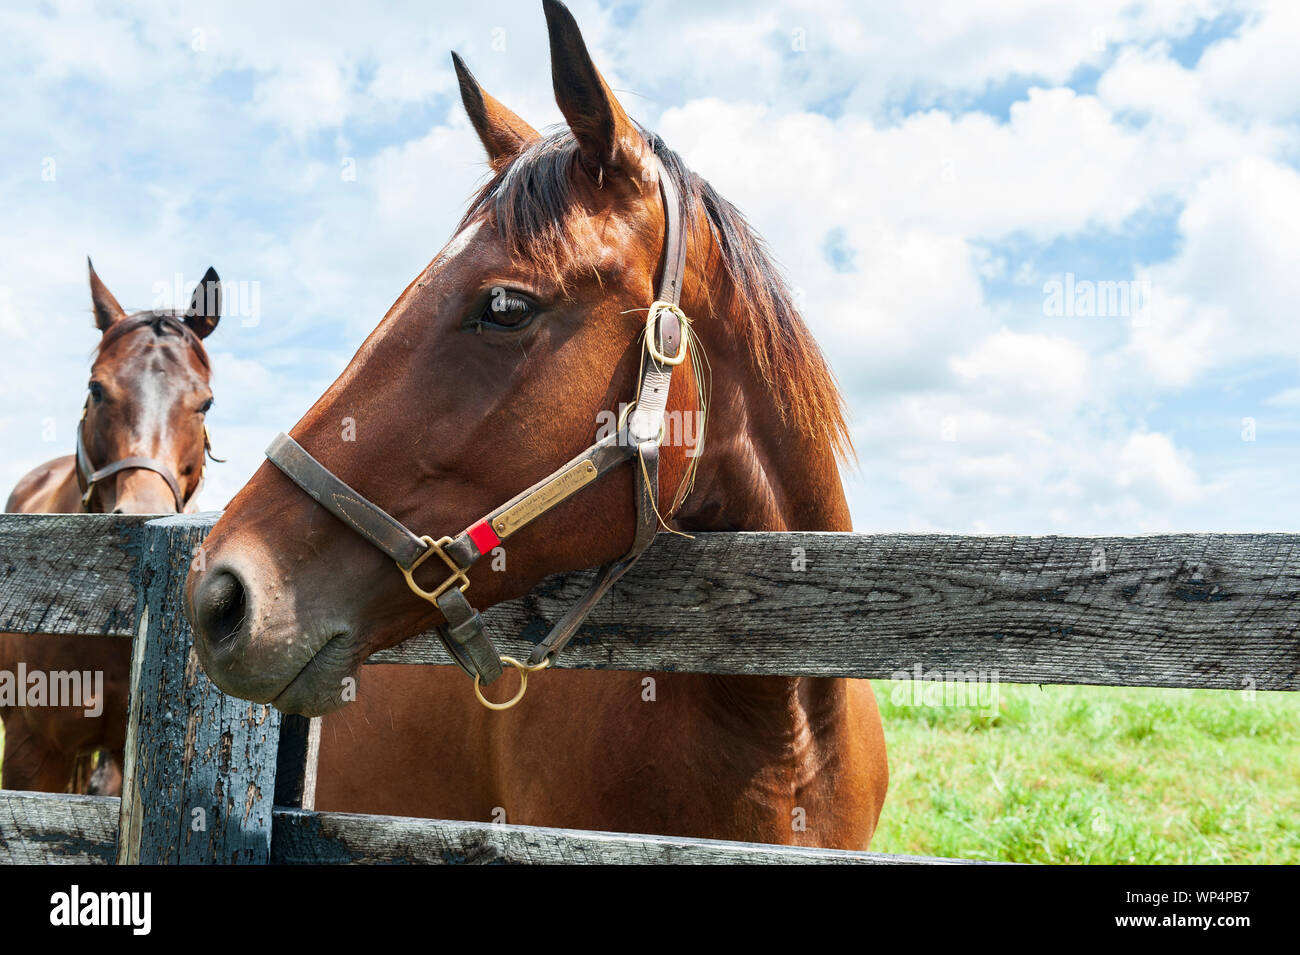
<point x="213" y="779"/>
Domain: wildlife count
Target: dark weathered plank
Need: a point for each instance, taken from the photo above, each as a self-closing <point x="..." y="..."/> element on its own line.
<point x="1211" y="610"/>
<point x="295" y="762"/>
<point x="1189" y="610"/>
<point x="69" y="573"/>
<point x="200" y="765"/>
<point x="345" y="838"/>
<point x="46" y="828"/>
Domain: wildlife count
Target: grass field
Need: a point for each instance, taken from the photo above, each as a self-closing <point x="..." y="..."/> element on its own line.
<point x="1093" y="774"/>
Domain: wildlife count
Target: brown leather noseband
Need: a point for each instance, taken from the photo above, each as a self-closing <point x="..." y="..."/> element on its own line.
<point x="667" y="338"/>
<point x="88" y="475"/>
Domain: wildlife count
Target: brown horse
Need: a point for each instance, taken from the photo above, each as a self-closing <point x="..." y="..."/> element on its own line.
<point x="493" y="367"/>
<point x="140" y="450"/>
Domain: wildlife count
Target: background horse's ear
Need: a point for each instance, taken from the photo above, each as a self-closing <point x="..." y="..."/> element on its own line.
<point x="107" y="311"/>
<point x="608" y="140"/>
<point x="205" y="305"/>
<point x="504" y="134"/>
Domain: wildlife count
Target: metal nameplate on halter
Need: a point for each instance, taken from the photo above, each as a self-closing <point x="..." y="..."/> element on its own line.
<point x="545" y="498"/>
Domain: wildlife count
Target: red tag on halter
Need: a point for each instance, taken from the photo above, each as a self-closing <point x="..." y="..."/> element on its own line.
<point x="483" y="536"/>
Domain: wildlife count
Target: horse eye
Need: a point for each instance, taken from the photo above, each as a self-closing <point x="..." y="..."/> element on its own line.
<point x="505" y="310"/>
<point x="97" y="391"/>
<point x="206" y="405"/>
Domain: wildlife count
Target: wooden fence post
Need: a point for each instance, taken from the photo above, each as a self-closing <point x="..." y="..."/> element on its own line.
<point x="200" y="766"/>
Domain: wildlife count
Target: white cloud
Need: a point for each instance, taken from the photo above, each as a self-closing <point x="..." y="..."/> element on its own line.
<point x="1018" y="368"/>
<point x="830" y="124"/>
<point x="1228" y="295"/>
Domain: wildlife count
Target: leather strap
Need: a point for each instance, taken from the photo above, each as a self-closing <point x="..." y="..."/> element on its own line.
<point x="88" y="476"/>
<point x="370" y="521"/>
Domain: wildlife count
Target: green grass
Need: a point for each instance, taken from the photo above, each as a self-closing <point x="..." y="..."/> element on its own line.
<point x="1094" y="774"/>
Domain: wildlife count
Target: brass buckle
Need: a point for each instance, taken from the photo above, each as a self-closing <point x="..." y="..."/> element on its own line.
<point x="652" y="346"/>
<point x="457" y="577"/>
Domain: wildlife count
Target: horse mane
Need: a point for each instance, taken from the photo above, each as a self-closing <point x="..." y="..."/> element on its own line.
<point x="160" y="320"/>
<point x="532" y="198"/>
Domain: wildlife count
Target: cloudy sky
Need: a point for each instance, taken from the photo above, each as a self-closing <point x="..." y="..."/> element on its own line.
<point x="1053" y="253"/>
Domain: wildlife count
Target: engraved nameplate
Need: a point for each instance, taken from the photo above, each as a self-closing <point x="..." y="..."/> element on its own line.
<point x="545" y="498"/>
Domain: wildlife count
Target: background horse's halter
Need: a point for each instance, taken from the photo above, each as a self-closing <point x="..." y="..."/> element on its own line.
<point x="637" y="439"/>
<point x="88" y="475"/>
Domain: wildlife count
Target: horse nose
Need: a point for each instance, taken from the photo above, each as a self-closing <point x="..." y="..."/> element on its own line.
<point x="220" y="610"/>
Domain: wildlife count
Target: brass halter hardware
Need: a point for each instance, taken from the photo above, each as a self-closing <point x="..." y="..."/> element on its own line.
<point x="457" y="577"/>
<point x="651" y="329"/>
<point x="524" y="669"/>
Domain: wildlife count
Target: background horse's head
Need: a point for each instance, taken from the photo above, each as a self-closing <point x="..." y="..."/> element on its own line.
<point x="148" y="396"/>
<point x="499" y="362"/>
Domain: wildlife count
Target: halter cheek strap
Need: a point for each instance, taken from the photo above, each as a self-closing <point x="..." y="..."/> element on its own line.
<point x="637" y="440"/>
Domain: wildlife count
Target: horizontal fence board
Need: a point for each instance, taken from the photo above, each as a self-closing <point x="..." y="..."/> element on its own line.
<point x="46" y="828"/>
<point x="1177" y="610"/>
<point x="69" y="573"/>
<point x="1182" y="610"/>
<point x="313" y="838"/>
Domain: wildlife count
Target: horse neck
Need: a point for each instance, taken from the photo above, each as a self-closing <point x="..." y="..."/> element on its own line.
<point x="757" y="474"/>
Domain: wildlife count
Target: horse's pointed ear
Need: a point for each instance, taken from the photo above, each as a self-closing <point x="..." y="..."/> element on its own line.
<point x="503" y="133"/>
<point x="107" y="311"/>
<point x="608" y="140"/>
<point x="205" y="305"/>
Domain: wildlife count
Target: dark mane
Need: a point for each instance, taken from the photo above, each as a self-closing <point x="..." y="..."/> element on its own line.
<point x="532" y="198"/>
<point x="161" y="321"/>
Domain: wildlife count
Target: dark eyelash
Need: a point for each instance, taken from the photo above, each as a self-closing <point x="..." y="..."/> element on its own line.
<point x="499" y="311"/>
<point x="507" y="303"/>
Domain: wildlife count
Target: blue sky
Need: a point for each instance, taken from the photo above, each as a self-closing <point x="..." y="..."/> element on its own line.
<point x="923" y="172"/>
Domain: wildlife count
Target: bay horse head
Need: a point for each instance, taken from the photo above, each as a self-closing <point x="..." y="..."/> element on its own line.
<point x="523" y="338"/>
<point x="142" y="439"/>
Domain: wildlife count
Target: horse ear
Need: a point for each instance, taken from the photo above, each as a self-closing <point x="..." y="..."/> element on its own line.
<point x="107" y="311"/>
<point x="607" y="139"/>
<point x="503" y="133"/>
<point x="205" y="305"/>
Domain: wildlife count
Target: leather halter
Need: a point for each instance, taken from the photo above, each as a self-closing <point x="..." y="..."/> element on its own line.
<point x="637" y="440"/>
<point x="88" y="476"/>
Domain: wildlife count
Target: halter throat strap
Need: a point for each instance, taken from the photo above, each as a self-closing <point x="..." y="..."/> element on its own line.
<point x="464" y="634"/>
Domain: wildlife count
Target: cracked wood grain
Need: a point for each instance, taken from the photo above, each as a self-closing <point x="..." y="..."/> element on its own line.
<point x="200" y="765"/>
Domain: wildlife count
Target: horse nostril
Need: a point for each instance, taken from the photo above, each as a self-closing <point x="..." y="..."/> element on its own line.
<point x="118" y="510"/>
<point x="222" y="607"/>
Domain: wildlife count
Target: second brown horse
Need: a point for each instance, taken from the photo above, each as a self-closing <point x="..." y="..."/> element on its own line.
<point x="142" y="442"/>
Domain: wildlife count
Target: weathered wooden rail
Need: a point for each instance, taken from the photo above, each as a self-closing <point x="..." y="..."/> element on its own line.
<point x="203" y="782"/>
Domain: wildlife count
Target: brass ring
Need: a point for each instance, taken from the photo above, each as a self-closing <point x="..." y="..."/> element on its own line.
<point x="524" y="669"/>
